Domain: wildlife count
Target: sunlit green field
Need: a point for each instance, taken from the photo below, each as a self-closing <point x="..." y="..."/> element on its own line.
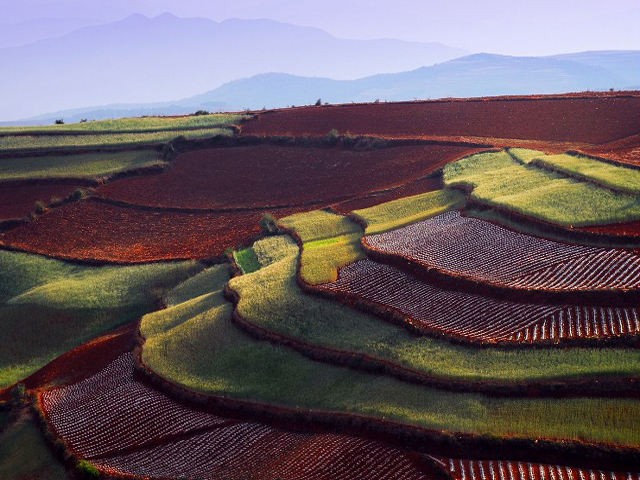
<point x="90" y="165"/>
<point x="496" y="179"/>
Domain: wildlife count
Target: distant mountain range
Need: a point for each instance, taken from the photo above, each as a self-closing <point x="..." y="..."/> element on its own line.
<point x="142" y="59"/>
<point x="469" y="76"/>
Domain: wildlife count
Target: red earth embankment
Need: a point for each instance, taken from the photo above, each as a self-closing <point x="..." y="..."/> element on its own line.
<point x="589" y="118"/>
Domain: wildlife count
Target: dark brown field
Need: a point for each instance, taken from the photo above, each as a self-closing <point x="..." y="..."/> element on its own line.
<point x="270" y="176"/>
<point x="589" y="120"/>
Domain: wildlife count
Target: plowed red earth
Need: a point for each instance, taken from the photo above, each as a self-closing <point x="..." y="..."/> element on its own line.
<point x="19" y="201"/>
<point x="127" y="428"/>
<point x="631" y="229"/>
<point x="413" y="188"/>
<point x="594" y="120"/>
<point x="269" y="175"/>
<point x="94" y="230"/>
<point x="626" y="150"/>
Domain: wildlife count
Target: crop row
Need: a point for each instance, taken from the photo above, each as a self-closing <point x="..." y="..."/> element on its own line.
<point x="481" y="251"/>
<point x="127" y="428"/>
<point x="124" y="411"/>
<point x="249" y="450"/>
<point x="508" y="470"/>
<point x="583" y="322"/>
<point x="476" y="317"/>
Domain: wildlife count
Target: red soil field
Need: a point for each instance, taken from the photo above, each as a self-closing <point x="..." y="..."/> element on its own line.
<point x="413" y="188"/>
<point x="268" y="175"/>
<point x="480" y="251"/>
<point x="94" y="230"/>
<point x="594" y="120"/>
<point x="504" y="469"/>
<point x="475" y="317"/>
<point x="19" y="201"/>
<point x="126" y="428"/>
<point x="631" y="229"/>
<point x="626" y="150"/>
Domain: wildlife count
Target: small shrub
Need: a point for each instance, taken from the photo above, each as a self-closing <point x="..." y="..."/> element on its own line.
<point x="83" y="120"/>
<point x="333" y="136"/>
<point x="269" y="224"/>
<point x="349" y="140"/>
<point x="88" y="470"/>
<point x="319" y="102"/>
<point x="201" y="112"/>
<point x="60" y="121"/>
<point x="40" y="207"/>
<point x="79" y="194"/>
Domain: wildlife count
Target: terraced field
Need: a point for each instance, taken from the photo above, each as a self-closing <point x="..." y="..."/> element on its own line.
<point x="94" y="230"/>
<point x="497" y="180"/>
<point x="434" y="310"/>
<point x="489" y="254"/>
<point x="17" y="202"/>
<point x="594" y="119"/>
<point x="48" y="307"/>
<point x="468" y="313"/>
<point x="127" y="428"/>
<point x="273" y="175"/>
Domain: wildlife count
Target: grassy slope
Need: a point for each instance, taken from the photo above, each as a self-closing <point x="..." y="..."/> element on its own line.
<point x="404" y="211"/>
<point x="138" y="125"/>
<point x="76" y="166"/>
<point x="202" y="350"/>
<point x="498" y="180"/>
<point x="198" y="284"/>
<point x="330" y="242"/>
<point x="24" y="455"/>
<point x="611" y="176"/>
<point x="52" y="142"/>
<point x="48" y="307"/>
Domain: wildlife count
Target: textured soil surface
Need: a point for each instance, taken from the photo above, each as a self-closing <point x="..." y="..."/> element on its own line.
<point x="594" y="120"/>
<point x="19" y="201"/>
<point x="269" y="175"/>
<point x="93" y="230"/>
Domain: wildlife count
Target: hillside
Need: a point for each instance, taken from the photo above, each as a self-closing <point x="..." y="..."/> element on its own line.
<point x="469" y="76"/>
<point x="127" y="54"/>
<point x="431" y="290"/>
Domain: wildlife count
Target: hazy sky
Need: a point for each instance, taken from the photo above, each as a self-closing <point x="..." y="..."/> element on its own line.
<point x="515" y="27"/>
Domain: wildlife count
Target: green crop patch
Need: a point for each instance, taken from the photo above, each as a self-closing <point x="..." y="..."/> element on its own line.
<point x="93" y="165"/>
<point x="330" y="242"/>
<point x="247" y="260"/>
<point x="497" y="180"/>
<point x="29" y="143"/>
<point x="623" y="179"/>
<point x="48" y="307"/>
<point x="132" y="125"/>
<point x="404" y="211"/>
